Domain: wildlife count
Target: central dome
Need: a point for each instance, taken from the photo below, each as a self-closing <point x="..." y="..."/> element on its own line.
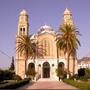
<point x="46" y="27"/>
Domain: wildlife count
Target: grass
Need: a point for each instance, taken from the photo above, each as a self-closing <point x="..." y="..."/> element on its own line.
<point x="79" y="84"/>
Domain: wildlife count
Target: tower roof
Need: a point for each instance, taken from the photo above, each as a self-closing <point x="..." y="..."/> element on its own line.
<point x="23" y="12"/>
<point x="67" y="11"/>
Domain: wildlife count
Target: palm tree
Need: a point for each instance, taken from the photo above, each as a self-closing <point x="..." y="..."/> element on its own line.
<point x="28" y="47"/>
<point x="24" y="45"/>
<point x="38" y="51"/>
<point x="68" y="41"/>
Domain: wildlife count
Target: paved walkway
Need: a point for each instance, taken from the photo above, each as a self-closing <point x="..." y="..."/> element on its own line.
<point x="48" y="84"/>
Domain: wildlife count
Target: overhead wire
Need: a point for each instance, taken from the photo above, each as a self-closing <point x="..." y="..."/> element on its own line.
<point x="5" y="54"/>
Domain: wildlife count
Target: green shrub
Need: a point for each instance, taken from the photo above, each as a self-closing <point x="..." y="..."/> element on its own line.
<point x="87" y="73"/>
<point x="31" y="72"/>
<point x="16" y="77"/>
<point x="83" y="78"/>
<point x="84" y="74"/>
<point x="6" y="75"/>
<point x="1" y="75"/>
<point x="61" y="73"/>
<point x="15" y="85"/>
<point x="81" y="72"/>
<point x="75" y="77"/>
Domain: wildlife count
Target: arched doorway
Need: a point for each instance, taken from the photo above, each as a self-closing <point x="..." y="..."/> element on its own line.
<point x="31" y="70"/>
<point x="46" y="70"/>
<point x="61" y="65"/>
<point x="61" y="71"/>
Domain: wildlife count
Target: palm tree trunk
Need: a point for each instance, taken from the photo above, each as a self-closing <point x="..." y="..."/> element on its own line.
<point x="67" y="66"/>
<point x="58" y="62"/>
<point x="25" y="68"/>
<point x="73" y="66"/>
<point x="57" y="57"/>
<point x="26" y="65"/>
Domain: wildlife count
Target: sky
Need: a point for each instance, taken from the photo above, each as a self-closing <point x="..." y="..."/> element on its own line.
<point x="41" y="12"/>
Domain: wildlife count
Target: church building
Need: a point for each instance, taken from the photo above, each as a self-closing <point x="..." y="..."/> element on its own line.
<point x="44" y="67"/>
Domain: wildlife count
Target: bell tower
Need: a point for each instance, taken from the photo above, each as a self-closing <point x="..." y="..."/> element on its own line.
<point x="23" y="27"/>
<point x="68" y="20"/>
<point x="68" y="17"/>
<point x="23" y="23"/>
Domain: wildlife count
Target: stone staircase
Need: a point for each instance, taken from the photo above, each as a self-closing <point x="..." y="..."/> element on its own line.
<point x="46" y="79"/>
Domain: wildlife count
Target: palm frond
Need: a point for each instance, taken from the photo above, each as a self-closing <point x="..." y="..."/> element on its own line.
<point x="67" y="40"/>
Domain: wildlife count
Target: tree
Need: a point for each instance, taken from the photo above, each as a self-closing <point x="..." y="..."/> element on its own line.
<point x="28" y="47"/>
<point x="87" y="73"/>
<point x="38" y="51"/>
<point x="74" y="55"/>
<point x="81" y="72"/>
<point x="68" y="41"/>
<point x="12" y="67"/>
<point x="31" y="71"/>
<point x="60" y="72"/>
<point x="84" y="74"/>
<point x="24" y="45"/>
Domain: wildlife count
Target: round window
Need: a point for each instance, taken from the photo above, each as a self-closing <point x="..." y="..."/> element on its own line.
<point x="52" y="65"/>
<point x="39" y="65"/>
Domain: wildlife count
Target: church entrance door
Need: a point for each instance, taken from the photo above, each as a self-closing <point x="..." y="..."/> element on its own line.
<point x="46" y="70"/>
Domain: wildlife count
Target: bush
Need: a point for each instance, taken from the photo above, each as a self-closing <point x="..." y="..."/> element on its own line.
<point x="31" y="73"/>
<point x="61" y="73"/>
<point x="15" y="85"/>
<point x="83" y="78"/>
<point x="16" y="77"/>
<point x="87" y="73"/>
<point x="75" y="77"/>
<point x="81" y="72"/>
<point x="1" y="75"/>
<point x="6" y="75"/>
<point x="3" y="82"/>
<point x="9" y="75"/>
<point x="84" y="74"/>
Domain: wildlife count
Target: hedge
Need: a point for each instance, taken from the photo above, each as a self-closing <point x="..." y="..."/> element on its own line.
<point x="79" y="84"/>
<point x="15" y="85"/>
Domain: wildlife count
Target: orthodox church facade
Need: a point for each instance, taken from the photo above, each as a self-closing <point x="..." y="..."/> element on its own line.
<point x="44" y="67"/>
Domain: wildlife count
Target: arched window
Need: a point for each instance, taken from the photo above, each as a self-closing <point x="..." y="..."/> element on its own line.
<point x="22" y="31"/>
<point x="46" y="47"/>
